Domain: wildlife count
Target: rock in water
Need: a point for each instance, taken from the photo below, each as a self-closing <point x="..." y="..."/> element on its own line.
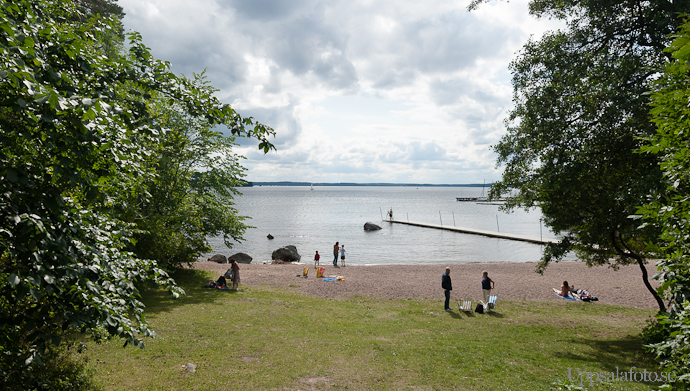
<point x="287" y="253"/>
<point x="219" y="258"/>
<point x="241" y="258"/>
<point x="269" y="236"/>
<point x="371" y="227"/>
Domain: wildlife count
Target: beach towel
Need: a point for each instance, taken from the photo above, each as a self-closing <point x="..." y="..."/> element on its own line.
<point x="558" y="293"/>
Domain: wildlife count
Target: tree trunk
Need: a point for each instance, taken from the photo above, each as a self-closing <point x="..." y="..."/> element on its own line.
<point x="645" y="278"/>
<point x="640" y="261"/>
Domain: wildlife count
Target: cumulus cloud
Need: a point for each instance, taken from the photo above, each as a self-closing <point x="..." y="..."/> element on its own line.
<point x="362" y="91"/>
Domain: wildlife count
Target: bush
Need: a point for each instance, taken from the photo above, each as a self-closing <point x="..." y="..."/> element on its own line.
<point x="62" y="368"/>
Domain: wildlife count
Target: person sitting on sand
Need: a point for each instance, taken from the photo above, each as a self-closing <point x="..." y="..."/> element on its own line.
<point x="565" y="289"/>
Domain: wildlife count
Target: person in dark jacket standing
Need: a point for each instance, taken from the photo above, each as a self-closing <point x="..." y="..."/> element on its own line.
<point x="447" y="286"/>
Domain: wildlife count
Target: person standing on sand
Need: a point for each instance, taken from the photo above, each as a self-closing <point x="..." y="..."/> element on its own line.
<point x="316" y="259"/>
<point x="487" y="286"/>
<point x="336" y="248"/>
<point x="447" y="286"/>
<point x="342" y="255"/>
<point x="235" y="273"/>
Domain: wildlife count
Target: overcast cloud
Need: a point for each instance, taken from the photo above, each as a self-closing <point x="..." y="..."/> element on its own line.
<point x="357" y="90"/>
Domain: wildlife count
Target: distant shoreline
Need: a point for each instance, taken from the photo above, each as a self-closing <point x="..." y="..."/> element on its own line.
<point x="287" y="183"/>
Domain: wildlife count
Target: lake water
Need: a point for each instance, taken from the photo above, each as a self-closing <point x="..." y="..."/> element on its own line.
<point x="315" y="219"/>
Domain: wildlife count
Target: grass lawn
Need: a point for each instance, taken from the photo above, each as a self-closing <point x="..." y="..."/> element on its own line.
<point x="262" y="338"/>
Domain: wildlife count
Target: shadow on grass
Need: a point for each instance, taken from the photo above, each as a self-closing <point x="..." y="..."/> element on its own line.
<point x="620" y="354"/>
<point x="454" y="314"/>
<point x="192" y="281"/>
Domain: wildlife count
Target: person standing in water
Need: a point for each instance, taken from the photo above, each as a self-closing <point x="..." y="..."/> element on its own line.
<point x="342" y="255"/>
<point x="336" y="248"/>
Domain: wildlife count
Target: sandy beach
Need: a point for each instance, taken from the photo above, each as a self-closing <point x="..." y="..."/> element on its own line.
<point x="513" y="281"/>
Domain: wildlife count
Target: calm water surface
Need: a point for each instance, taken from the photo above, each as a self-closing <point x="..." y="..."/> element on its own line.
<point x="315" y="219"/>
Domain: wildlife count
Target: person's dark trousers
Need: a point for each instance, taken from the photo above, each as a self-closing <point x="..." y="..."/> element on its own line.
<point x="447" y="305"/>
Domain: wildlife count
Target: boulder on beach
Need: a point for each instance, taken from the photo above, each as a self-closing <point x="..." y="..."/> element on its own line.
<point x="218" y="258"/>
<point x="241" y="258"/>
<point x="287" y="254"/>
<point x="371" y="227"/>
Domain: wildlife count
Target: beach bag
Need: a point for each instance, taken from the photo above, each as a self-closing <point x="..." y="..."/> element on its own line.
<point x="479" y="309"/>
<point x="305" y="273"/>
<point x="228" y="274"/>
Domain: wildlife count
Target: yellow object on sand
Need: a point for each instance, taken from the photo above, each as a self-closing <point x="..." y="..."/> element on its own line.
<point x="341" y="278"/>
<point x="305" y="272"/>
<point x="319" y="272"/>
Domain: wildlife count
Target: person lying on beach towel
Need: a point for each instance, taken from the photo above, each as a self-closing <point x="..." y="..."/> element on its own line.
<point x="583" y="294"/>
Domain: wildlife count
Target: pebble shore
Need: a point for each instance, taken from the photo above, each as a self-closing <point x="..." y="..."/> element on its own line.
<point x="513" y="281"/>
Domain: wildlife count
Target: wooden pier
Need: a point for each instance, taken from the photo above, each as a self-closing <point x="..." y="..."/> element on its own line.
<point x="493" y="234"/>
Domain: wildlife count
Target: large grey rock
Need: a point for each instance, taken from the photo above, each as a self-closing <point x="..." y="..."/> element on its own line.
<point x="241" y="258"/>
<point x="371" y="227"/>
<point x="286" y="253"/>
<point x="219" y="258"/>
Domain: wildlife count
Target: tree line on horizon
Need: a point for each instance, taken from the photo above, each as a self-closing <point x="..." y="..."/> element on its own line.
<point x="289" y="183"/>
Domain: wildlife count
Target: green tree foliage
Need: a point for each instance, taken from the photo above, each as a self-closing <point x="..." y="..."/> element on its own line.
<point x="670" y="209"/>
<point x="77" y="133"/>
<point x="581" y="104"/>
<point x="189" y="197"/>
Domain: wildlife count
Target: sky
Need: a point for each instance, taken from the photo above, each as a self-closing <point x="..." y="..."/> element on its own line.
<point x="357" y="90"/>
